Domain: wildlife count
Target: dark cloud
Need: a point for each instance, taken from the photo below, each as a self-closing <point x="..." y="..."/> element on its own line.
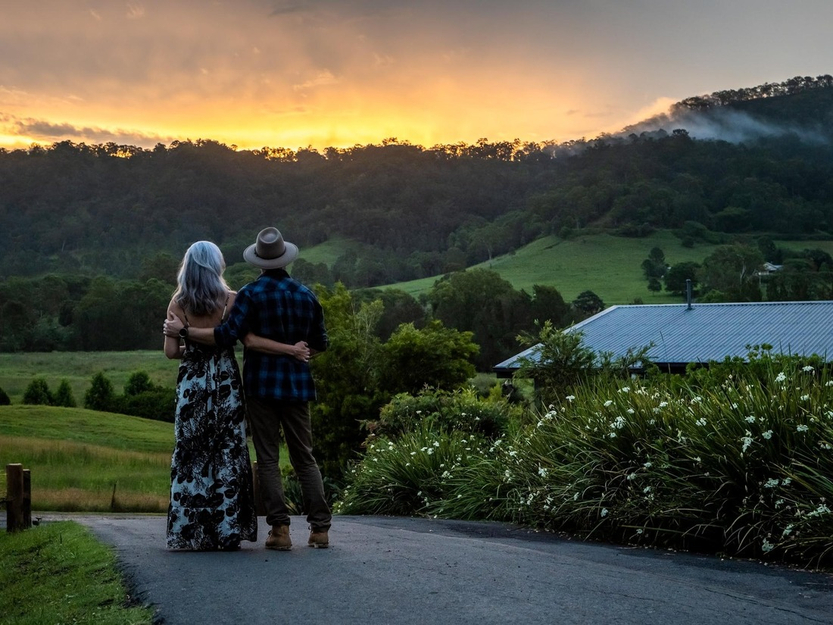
<point x="44" y="131"/>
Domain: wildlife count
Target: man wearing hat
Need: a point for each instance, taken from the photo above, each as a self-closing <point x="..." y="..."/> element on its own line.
<point x="278" y="385"/>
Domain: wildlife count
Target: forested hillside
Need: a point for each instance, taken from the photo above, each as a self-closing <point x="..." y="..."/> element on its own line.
<point x="422" y="211"/>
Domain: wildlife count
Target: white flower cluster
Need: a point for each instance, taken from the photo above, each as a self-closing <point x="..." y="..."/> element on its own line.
<point x="747" y="441"/>
<point x="822" y="509"/>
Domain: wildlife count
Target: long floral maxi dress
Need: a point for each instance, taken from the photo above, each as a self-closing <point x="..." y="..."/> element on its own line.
<point x="212" y="501"/>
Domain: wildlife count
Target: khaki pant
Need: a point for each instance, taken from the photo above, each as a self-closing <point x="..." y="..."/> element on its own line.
<point x="268" y="417"/>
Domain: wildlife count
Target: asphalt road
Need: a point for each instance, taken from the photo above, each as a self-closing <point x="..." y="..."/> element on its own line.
<point x="429" y="572"/>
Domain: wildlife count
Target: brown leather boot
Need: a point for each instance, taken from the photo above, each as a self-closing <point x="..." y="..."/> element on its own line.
<point x="279" y="538"/>
<point x="319" y="539"/>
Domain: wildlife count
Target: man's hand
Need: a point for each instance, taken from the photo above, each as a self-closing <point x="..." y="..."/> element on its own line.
<point x="172" y="325"/>
<point x="301" y="351"/>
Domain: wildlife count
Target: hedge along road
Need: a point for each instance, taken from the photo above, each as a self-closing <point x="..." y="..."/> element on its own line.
<point x="400" y="570"/>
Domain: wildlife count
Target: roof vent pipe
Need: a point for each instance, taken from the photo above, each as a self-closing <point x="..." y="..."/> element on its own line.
<point x="688" y="293"/>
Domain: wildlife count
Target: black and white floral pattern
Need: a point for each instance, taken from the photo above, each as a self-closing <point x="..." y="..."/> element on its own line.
<point x="212" y="503"/>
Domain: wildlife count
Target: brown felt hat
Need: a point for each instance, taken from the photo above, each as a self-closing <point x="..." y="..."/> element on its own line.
<point x="270" y="251"/>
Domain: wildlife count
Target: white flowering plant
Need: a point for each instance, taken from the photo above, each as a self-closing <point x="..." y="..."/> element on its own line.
<point x="674" y="461"/>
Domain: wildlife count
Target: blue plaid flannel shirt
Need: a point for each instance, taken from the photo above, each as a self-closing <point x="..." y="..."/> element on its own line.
<point x="276" y="307"/>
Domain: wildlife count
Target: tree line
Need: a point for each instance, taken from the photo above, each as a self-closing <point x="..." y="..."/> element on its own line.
<point x="738" y="272"/>
<point x="72" y="313"/>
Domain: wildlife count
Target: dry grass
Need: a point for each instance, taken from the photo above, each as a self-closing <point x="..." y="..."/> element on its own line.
<point x="71" y="476"/>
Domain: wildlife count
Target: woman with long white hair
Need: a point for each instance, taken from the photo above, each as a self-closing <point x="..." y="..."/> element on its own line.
<point x="212" y="502"/>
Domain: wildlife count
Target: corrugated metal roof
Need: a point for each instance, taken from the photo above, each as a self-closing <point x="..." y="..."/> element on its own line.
<point x="706" y="331"/>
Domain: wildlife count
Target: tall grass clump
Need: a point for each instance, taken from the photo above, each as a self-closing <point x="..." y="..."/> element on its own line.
<point x="417" y="448"/>
<point x="411" y="475"/>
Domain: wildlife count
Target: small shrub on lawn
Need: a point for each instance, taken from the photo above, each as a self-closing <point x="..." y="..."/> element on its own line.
<point x="4" y="398"/>
<point x="159" y="404"/>
<point x="100" y="395"/>
<point x="64" y="395"/>
<point x="38" y="393"/>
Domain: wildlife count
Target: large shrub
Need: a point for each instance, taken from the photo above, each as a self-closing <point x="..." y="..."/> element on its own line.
<point x="434" y="356"/>
<point x="158" y="403"/>
<point x="4" y="398"/>
<point x="444" y="411"/>
<point x="100" y="395"/>
<point x="38" y="393"/>
<point x="64" y="395"/>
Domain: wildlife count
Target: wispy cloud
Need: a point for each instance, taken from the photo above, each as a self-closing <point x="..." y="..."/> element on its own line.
<point x="324" y="78"/>
<point x="135" y="11"/>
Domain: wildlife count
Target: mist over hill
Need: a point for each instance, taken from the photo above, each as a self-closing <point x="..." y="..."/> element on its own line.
<point x="801" y="107"/>
<point x="735" y="162"/>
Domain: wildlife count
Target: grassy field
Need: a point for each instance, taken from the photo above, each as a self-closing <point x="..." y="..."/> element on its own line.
<point x="18" y="369"/>
<point x="83" y="460"/>
<point x="58" y="573"/>
<point x="607" y="265"/>
<point x="326" y="252"/>
<point x="89" y="461"/>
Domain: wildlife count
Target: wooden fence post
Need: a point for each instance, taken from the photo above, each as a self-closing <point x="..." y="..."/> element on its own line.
<point x="260" y="510"/>
<point x="27" y="499"/>
<point x="14" y="497"/>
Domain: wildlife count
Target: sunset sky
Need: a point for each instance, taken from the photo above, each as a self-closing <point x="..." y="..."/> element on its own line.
<point x="293" y="73"/>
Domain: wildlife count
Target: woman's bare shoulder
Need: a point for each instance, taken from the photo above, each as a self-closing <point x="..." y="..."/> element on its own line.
<point x="175" y="308"/>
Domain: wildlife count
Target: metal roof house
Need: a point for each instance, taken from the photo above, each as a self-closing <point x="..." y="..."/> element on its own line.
<point x="699" y="333"/>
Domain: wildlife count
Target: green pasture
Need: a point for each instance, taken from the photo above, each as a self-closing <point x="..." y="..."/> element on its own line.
<point x="17" y="369"/>
<point x="327" y="252"/>
<point x="609" y="266"/>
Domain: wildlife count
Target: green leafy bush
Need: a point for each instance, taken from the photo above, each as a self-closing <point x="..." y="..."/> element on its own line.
<point x="64" y="395"/>
<point x="138" y="382"/>
<point x="100" y="395"/>
<point x="38" y="393"/>
<point x="443" y="411"/>
<point x="433" y="356"/>
<point x="4" y="398"/>
<point x="158" y="403"/>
